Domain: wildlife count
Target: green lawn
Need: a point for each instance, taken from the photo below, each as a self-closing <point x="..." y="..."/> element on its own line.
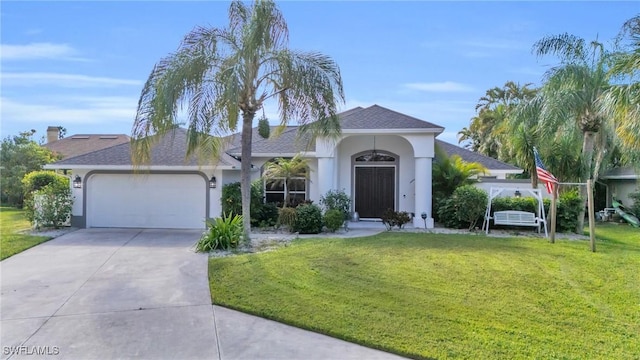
<point x="450" y="296"/>
<point x="12" y="221"/>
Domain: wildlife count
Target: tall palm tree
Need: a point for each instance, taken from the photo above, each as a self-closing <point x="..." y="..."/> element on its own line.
<point x="226" y="74"/>
<point x="576" y="91"/>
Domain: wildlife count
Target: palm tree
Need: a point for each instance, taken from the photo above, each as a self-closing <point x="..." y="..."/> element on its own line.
<point x="625" y="95"/>
<point x="282" y="171"/>
<point x="576" y="92"/>
<point x="221" y="74"/>
<point x="450" y="172"/>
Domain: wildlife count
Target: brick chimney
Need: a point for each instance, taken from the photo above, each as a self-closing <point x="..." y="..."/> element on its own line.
<point x="53" y="134"/>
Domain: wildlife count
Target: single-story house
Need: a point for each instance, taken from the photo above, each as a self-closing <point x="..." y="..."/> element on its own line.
<point x="383" y="159"/>
<point x="621" y="182"/>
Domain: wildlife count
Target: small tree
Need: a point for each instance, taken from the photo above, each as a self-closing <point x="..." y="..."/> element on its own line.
<point x="337" y="200"/>
<point x="20" y="155"/>
<point x="282" y="171"/>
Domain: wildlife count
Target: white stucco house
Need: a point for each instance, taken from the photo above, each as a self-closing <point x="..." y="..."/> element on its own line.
<point x="620" y="184"/>
<point x="383" y="159"/>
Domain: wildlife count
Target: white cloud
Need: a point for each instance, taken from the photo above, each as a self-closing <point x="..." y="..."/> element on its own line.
<point x="445" y="86"/>
<point x="38" y="51"/>
<point x="63" y="80"/>
<point x="80" y="110"/>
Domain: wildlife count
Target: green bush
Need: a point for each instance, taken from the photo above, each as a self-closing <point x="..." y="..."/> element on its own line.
<point x="447" y="216"/>
<point x="463" y="208"/>
<point x="470" y="203"/>
<point x="391" y="219"/>
<point x="231" y="201"/>
<point x="51" y="205"/>
<point x="264" y="215"/>
<point x="50" y="208"/>
<point x="569" y="205"/>
<point x="286" y="217"/>
<point x="337" y="200"/>
<point x="333" y="219"/>
<point x="222" y="233"/>
<point x="308" y="219"/>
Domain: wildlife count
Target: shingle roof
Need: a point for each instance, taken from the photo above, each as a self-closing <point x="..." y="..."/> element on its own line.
<point x="471" y="156"/>
<point x="85" y="143"/>
<point x="287" y="142"/>
<point x="171" y="150"/>
<point x="374" y="117"/>
<point x="378" y="117"/>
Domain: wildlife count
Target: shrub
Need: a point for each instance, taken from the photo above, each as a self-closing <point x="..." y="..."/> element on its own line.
<point x="286" y="217"/>
<point x="52" y="205"/>
<point x="308" y="219"/>
<point x="569" y="205"/>
<point x="222" y="233"/>
<point x="337" y="200"/>
<point x="391" y="219"/>
<point x="470" y="203"/>
<point x="447" y="214"/>
<point x="265" y="215"/>
<point x="48" y="209"/>
<point x="333" y="219"/>
<point x="463" y="208"/>
<point x="231" y="200"/>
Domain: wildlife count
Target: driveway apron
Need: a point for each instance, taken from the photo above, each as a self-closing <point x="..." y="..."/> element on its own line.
<point x="106" y="294"/>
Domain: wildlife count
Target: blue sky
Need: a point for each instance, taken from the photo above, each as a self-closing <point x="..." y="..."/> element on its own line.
<point x="82" y="65"/>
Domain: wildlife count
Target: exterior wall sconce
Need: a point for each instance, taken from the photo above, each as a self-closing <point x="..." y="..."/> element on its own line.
<point x="213" y="182"/>
<point x="424" y="218"/>
<point x="517" y="194"/>
<point x="77" y="182"/>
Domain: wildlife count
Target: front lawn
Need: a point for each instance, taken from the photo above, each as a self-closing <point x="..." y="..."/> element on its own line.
<point x="12" y="221"/>
<point x="450" y="296"/>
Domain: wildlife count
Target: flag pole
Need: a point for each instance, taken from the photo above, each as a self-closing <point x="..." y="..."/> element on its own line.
<point x="554" y="213"/>
<point x="592" y="215"/>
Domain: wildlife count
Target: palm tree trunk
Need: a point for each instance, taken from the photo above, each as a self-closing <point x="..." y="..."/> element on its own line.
<point x="245" y="171"/>
<point x="587" y="157"/>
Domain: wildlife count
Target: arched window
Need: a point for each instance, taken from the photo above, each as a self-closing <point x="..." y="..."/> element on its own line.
<point x="377" y="156"/>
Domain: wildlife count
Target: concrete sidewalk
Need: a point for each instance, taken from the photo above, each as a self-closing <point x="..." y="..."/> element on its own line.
<point x="144" y="294"/>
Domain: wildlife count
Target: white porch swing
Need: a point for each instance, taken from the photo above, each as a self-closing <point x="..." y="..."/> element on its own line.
<point x="514" y="217"/>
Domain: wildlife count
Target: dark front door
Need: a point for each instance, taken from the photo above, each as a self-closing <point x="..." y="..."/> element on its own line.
<point x="374" y="190"/>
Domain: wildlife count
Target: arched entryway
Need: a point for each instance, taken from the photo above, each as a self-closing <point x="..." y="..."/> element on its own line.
<point x="375" y="179"/>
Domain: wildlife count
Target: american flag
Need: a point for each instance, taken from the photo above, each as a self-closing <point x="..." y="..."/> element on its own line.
<point x="543" y="174"/>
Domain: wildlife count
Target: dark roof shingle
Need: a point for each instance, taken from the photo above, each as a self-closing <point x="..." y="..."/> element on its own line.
<point x="85" y="143"/>
<point x="171" y="150"/>
<point x="471" y="156"/>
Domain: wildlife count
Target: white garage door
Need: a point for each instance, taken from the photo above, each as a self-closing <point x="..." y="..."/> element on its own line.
<point x="176" y="201"/>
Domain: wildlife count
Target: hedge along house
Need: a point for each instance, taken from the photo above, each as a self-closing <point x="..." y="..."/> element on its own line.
<point x="383" y="159"/>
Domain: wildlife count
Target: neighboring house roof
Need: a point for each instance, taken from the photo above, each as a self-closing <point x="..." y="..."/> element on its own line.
<point x="471" y="156"/>
<point x="85" y="143"/>
<point x="622" y="173"/>
<point x="171" y="150"/>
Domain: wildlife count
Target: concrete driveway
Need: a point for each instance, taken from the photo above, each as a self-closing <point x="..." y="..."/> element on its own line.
<point x="130" y="293"/>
